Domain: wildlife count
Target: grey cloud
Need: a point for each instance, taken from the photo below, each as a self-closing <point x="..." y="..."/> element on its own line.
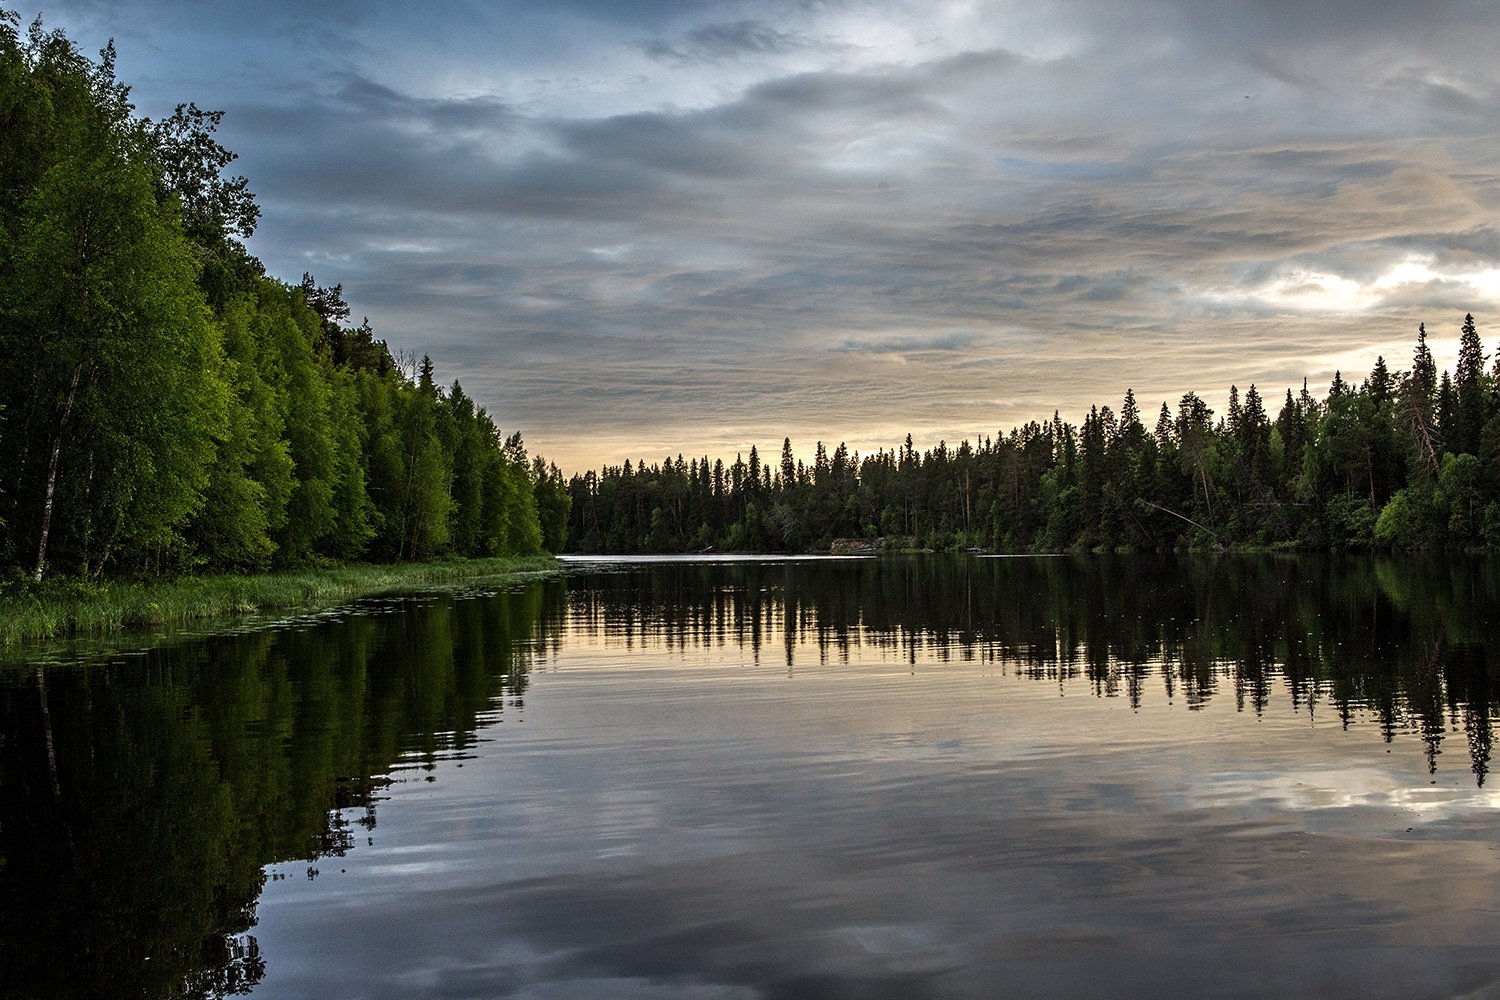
<point x="1113" y="288"/>
<point x="371" y="142"/>
<point x="1276" y="66"/>
<point x="715" y="42"/>
<point x="1481" y="243"/>
<point x="1063" y="146"/>
<point x="375" y="146"/>
<point x="762" y="129"/>
<point x="943" y="342"/>
<point x="635" y="12"/>
<point x="969" y="66"/>
<point x="357" y="109"/>
<point x="360" y="96"/>
<point x="1336" y="163"/>
<point x="1470" y="101"/>
<point x="814" y="93"/>
<point x="1270" y="25"/>
<point x="688" y="144"/>
<point x="375" y="151"/>
<point x="544" y="186"/>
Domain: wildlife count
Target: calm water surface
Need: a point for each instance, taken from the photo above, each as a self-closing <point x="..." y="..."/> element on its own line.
<point x="909" y="778"/>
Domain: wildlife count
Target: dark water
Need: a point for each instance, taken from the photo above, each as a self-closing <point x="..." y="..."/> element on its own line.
<point x="1098" y="777"/>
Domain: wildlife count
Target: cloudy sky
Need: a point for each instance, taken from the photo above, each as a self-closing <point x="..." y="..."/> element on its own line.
<point x="662" y="226"/>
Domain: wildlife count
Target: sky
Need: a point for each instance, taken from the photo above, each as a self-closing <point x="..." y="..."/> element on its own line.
<point x="683" y="226"/>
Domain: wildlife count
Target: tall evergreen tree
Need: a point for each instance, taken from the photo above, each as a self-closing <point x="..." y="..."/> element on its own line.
<point x="1380" y="385"/>
<point x="1470" y="404"/>
<point x="1418" y="399"/>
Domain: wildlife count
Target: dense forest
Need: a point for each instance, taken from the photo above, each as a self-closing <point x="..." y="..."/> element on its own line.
<point x="1407" y="459"/>
<point x="169" y="406"/>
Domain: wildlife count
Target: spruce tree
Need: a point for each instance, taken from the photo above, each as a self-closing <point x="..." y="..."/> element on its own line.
<point x="1469" y="391"/>
<point x="1380" y="383"/>
<point x="1417" y="407"/>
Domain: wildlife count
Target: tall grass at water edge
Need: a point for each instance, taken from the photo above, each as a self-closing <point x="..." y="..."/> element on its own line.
<point x="69" y="608"/>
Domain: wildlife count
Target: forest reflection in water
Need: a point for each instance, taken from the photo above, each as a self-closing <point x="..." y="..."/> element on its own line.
<point x="148" y="798"/>
<point x="1407" y="641"/>
<point x="142" y="795"/>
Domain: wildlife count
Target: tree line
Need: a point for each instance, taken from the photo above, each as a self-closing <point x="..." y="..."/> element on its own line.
<point x="167" y="405"/>
<point x="1406" y="459"/>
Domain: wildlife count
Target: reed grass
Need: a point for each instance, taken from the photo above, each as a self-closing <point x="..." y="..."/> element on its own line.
<point x="69" y="608"/>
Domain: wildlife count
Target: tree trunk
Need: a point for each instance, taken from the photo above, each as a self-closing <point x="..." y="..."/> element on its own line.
<point x="1203" y="477"/>
<point x="1424" y="438"/>
<point x="49" y="493"/>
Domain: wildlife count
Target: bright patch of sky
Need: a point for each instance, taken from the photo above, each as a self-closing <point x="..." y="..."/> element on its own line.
<point x="1313" y="292"/>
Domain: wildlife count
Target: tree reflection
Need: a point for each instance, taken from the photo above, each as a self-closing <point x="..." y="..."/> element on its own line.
<point x="143" y="798"/>
<point x="1400" y="641"/>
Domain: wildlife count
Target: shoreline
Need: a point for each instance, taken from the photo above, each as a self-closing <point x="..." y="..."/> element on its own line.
<point x="70" y="609"/>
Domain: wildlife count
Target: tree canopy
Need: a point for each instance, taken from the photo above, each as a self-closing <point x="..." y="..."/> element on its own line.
<point x="168" y="405"/>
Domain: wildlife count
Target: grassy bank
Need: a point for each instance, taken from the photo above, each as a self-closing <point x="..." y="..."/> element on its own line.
<point x="33" y="614"/>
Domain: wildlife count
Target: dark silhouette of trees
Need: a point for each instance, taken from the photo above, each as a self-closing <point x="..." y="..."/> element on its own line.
<point x="1397" y="461"/>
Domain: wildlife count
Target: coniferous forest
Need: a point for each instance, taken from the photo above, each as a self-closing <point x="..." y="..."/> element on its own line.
<point x="167" y="405"/>
<point x="1407" y="459"/>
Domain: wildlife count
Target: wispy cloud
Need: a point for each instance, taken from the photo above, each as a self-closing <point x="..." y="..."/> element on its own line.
<point x="711" y="43"/>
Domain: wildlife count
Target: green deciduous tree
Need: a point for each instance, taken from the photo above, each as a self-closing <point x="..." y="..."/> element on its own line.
<point x="169" y="406"/>
<point x="101" y="305"/>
